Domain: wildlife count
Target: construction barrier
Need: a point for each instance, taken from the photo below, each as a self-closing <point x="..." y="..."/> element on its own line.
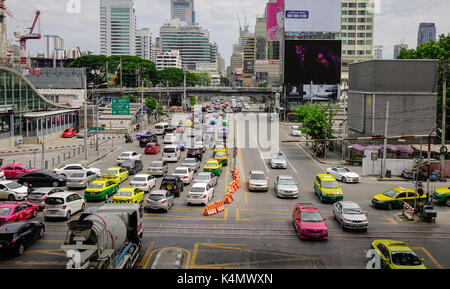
<point x="219" y="206"/>
<point x="228" y="198"/>
<point x="231" y="188"/>
<point x="210" y="209"/>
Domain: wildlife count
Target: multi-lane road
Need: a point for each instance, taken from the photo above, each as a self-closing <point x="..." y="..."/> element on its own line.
<point x="255" y="231"/>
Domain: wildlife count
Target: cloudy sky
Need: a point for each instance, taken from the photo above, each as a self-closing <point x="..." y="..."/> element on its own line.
<point x="398" y="20"/>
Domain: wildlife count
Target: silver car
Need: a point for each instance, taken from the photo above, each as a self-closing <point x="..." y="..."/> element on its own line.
<point x="278" y="161"/>
<point x="350" y="215"/>
<point x="39" y="195"/>
<point x="159" y="200"/>
<point x="157" y="168"/>
<point x="81" y="180"/>
<point x="206" y="177"/>
<point x="192" y="163"/>
<point x="257" y="181"/>
<point x="286" y="186"/>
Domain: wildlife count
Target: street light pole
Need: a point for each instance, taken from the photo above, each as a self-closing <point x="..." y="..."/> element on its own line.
<point x="444" y="117"/>
<point x="85" y="118"/>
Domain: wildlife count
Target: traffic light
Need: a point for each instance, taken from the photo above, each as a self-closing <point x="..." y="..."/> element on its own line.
<point x="420" y="189"/>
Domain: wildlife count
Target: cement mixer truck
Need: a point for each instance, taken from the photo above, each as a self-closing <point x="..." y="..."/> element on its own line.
<point x="108" y="237"/>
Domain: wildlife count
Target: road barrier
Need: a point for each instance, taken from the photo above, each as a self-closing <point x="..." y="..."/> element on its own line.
<point x="210" y="209"/>
<point x="228" y="198"/>
<point x="408" y="211"/>
<point x="219" y="206"/>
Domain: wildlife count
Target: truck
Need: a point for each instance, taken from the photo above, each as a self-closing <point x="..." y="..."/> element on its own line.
<point x="107" y="237"/>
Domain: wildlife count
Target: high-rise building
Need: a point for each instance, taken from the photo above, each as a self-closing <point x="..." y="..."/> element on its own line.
<point x="117" y="27"/>
<point x="144" y="43"/>
<point x="3" y="42"/>
<point x="156" y="48"/>
<point x="427" y="32"/>
<point x="183" y="10"/>
<point x="260" y="38"/>
<point x="378" y="51"/>
<point x="54" y="47"/>
<point x="398" y="48"/>
<point x="220" y="62"/>
<point x="168" y="59"/>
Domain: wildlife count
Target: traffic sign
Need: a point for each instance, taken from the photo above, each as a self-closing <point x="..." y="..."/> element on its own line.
<point x="121" y="106"/>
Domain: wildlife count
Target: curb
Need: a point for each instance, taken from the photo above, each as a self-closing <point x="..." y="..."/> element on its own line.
<point x="321" y="161"/>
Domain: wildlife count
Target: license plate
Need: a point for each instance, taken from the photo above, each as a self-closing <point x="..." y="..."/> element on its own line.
<point x="333" y="198"/>
<point x="315" y="236"/>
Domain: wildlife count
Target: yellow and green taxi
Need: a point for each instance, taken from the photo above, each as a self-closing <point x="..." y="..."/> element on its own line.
<point x="222" y="158"/>
<point x="396" y="255"/>
<point x="129" y="195"/>
<point x="327" y="188"/>
<point x="213" y="166"/>
<point x="395" y="197"/>
<point x="219" y="148"/>
<point x="100" y="190"/>
<point x="116" y="174"/>
<point x="442" y="196"/>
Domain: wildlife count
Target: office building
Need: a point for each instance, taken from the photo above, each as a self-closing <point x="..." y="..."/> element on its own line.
<point x="398" y="48"/>
<point x="260" y="39"/>
<point x="117" y="27"/>
<point x="183" y="10"/>
<point x="54" y="47"/>
<point x="168" y="59"/>
<point x="144" y="43"/>
<point x="378" y="52"/>
<point x="427" y="32"/>
<point x="156" y="49"/>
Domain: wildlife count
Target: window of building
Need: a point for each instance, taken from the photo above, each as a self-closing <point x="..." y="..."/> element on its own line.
<point x="351" y="52"/>
<point x="360" y="52"/>
<point x="4" y="123"/>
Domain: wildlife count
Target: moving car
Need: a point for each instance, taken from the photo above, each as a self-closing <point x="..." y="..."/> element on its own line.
<point x="286" y="186"/>
<point x="69" y="133"/>
<point x="101" y="190"/>
<point x="116" y="174"/>
<point x="200" y="193"/>
<point x="195" y="153"/>
<point x="442" y="196"/>
<point x="350" y="215"/>
<point x="208" y="178"/>
<point x="18" y="236"/>
<point x="152" y="148"/>
<point x="309" y="223"/>
<point x="157" y="168"/>
<point x="63" y="205"/>
<point x="173" y="184"/>
<point x="394" y="198"/>
<point x="343" y="174"/>
<point x="213" y="166"/>
<point x="133" y="166"/>
<point x="81" y="179"/>
<point x="396" y="255"/>
<point x="12" y="191"/>
<point x="144" y="140"/>
<point x="128" y="156"/>
<point x="200" y="145"/>
<point x="219" y="148"/>
<point x="81" y="133"/>
<point x="295" y="131"/>
<point x="327" y="188"/>
<point x="39" y="195"/>
<point x="160" y="127"/>
<point x="171" y="153"/>
<point x="13" y="171"/>
<point x="129" y="195"/>
<point x="185" y="174"/>
<point x="143" y="182"/>
<point x="42" y="179"/>
<point x="169" y="138"/>
<point x="192" y="163"/>
<point x="17" y="211"/>
<point x="143" y="133"/>
<point x="257" y="181"/>
<point x="222" y="158"/>
<point x="69" y="169"/>
<point x="278" y="161"/>
<point x="159" y="200"/>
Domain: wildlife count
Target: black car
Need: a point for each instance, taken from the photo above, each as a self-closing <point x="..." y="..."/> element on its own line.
<point x="42" y="179"/>
<point x="16" y="237"/>
<point x="132" y="166"/>
<point x="173" y="184"/>
<point x="195" y="153"/>
<point x="144" y="140"/>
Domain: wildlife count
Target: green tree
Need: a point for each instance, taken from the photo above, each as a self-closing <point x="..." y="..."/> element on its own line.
<point x="175" y="76"/>
<point x="132" y="66"/>
<point x="95" y="67"/>
<point x="132" y="97"/>
<point x="193" y="100"/>
<point x="317" y="120"/>
<point x="224" y="81"/>
<point x="151" y="103"/>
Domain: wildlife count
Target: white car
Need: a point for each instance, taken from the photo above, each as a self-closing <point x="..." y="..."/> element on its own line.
<point x="143" y="182"/>
<point x="206" y="177"/>
<point x="344" y="175"/>
<point x="200" y="193"/>
<point x="192" y="163"/>
<point x="2" y="175"/>
<point x="199" y="144"/>
<point x="186" y="174"/>
<point x="257" y="181"/>
<point x="295" y="131"/>
<point x="63" y="205"/>
<point x="170" y="138"/>
<point x="12" y="191"/>
<point x="350" y="215"/>
<point x="128" y="156"/>
<point x="67" y="170"/>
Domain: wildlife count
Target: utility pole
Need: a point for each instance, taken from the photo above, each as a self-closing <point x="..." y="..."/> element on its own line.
<point x="184" y="90"/>
<point x="121" y="87"/>
<point x="85" y="118"/>
<point x="444" y="117"/>
<point x="344" y="135"/>
<point x="385" y="140"/>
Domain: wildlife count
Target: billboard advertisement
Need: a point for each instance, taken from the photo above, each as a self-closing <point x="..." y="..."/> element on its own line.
<point x="249" y="66"/>
<point x="294" y="91"/>
<point x="321" y="92"/>
<point x="312" y="16"/>
<point x="318" y="61"/>
<point x="274" y="24"/>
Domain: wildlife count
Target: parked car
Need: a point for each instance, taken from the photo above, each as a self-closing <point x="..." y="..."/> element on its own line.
<point x="350" y="215"/>
<point x="200" y="193"/>
<point x="13" y="171"/>
<point x="159" y="200"/>
<point x="257" y="181"/>
<point x="192" y="163"/>
<point x="278" y="161"/>
<point x="343" y="174"/>
<point x="185" y="174"/>
<point x="69" y="133"/>
<point x="157" y="168"/>
<point x="42" y="179"/>
<point x="129" y="195"/>
<point x="133" y="166"/>
<point x="116" y="174"/>
<point x="144" y="140"/>
<point x="101" y="190"/>
<point x="208" y="178"/>
<point x="152" y="148"/>
<point x="195" y="153"/>
<point x="12" y="191"/>
<point x="63" y="205"/>
<point x="144" y="182"/>
<point x="295" y="131"/>
<point x="81" y="179"/>
<point x="17" y="211"/>
<point x="172" y="184"/>
<point x="16" y="237"/>
<point x="396" y="255"/>
<point x="69" y="169"/>
<point x="309" y="223"/>
<point x="128" y="156"/>
<point x="286" y="186"/>
<point x="39" y="195"/>
<point x="81" y="133"/>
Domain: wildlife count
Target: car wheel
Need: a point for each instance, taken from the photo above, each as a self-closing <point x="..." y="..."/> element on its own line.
<point x="34" y="213"/>
<point x="389" y="207"/>
<point x="83" y="207"/>
<point x="20" y="249"/>
<point x="68" y="215"/>
<point x="342" y="224"/>
<point x="55" y="184"/>
<point x="41" y="233"/>
<point x="343" y="180"/>
<point x="447" y="202"/>
<point x="11" y="198"/>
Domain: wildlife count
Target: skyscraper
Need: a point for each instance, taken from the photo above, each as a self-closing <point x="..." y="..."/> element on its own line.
<point x="183" y="10"/>
<point x="398" y="48"/>
<point x="117" y="27"/>
<point x="144" y="43"/>
<point x="427" y="32"/>
<point x="378" y="51"/>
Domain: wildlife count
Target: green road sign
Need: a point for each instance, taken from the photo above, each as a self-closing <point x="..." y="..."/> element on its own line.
<point x="121" y="106"/>
<point x="99" y="128"/>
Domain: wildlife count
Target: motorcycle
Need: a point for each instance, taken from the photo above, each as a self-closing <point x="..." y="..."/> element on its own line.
<point x="128" y="139"/>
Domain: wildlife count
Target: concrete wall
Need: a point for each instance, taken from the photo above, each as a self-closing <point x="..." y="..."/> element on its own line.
<point x="394" y="165"/>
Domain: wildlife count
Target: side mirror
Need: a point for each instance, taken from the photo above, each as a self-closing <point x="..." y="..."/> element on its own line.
<point x="340" y="185"/>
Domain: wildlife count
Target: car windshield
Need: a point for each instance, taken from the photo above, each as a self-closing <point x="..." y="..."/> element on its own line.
<point x="128" y="163"/>
<point x="13" y="185"/>
<point x="149" y="146"/>
<point x="330" y="184"/>
<point x="124" y="194"/>
<point x="5" y="211"/>
<point x="296" y="128"/>
<point x="390" y="193"/>
<point x="77" y="175"/>
<point x="96" y="186"/>
<point x="111" y="172"/>
<point x="180" y="172"/>
<point x="257" y="177"/>
<point x="155" y="165"/>
<point x="159" y="127"/>
<point x="221" y="155"/>
<point x="202" y="178"/>
<point x="139" y="179"/>
<point x="169" y="150"/>
<point x="211" y="164"/>
<point x="189" y="161"/>
<point x="286" y="182"/>
<point x="54" y="201"/>
<point x="311" y="217"/>
<point x="353" y="210"/>
<point x="125" y="155"/>
<point x="155" y="197"/>
<point x="197" y="189"/>
<point x="405" y="259"/>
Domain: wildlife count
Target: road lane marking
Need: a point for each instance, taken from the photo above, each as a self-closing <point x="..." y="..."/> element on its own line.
<point x="430" y="256"/>
<point x="186" y="218"/>
<point x="188" y="253"/>
<point x="145" y="259"/>
<point x="242" y="171"/>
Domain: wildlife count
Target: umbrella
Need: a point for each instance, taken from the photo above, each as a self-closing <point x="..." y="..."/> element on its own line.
<point x="373" y="147"/>
<point x="357" y="147"/>
<point x="405" y="149"/>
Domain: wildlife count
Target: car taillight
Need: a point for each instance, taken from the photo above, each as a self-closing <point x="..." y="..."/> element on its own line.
<point x="145" y="185"/>
<point x="131" y="168"/>
<point x="205" y="195"/>
<point x="147" y="201"/>
<point x="118" y="159"/>
<point x="80" y="181"/>
<point x="45" y="197"/>
<point x="187" y="196"/>
<point x="175" y="154"/>
<point x="163" y="202"/>
<point x="130" y="200"/>
<point x="64" y="207"/>
<point x="185" y="177"/>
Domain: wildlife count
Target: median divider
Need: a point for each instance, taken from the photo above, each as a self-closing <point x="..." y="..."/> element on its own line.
<point x="210" y="209"/>
<point x="219" y="206"/>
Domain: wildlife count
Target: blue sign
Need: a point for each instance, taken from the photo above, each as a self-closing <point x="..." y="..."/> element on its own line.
<point x="297" y="14"/>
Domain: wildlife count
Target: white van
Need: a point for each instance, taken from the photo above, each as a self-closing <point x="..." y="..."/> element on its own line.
<point x="160" y="127"/>
<point x="171" y="153"/>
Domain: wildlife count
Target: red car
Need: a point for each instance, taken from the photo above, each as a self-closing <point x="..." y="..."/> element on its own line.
<point x="17" y="211"/>
<point x="152" y="148"/>
<point x="69" y="133"/>
<point x="217" y="107"/>
<point x="208" y="106"/>
<point x="309" y="223"/>
<point x="13" y="171"/>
